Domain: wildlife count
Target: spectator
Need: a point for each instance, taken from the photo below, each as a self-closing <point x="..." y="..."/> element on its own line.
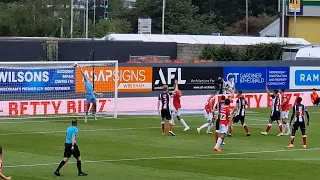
<point x="229" y="86"/>
<point x="315" y="98"/>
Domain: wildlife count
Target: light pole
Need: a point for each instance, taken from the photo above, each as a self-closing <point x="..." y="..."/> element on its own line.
<point x="87" y="18"/>
<point x="247" y="17"/>
<point x="94" y="12"/>
<point x="84" y="19"/>
<point x="61" y="27"/>
<point x="283" y="14"/>
<point x="71" y="18"/>
<point x="295" y="18"/>
<point x="163" y="12"/>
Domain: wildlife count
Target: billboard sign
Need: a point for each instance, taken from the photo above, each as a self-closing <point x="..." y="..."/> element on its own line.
<point x="146" y="104"/>
<point x="304" y="77"/>
<point x="189" y="78"/>
<point x="51" y="107"/>
<point x="131" y="79"/>
<point x="295" y="6"/>
<point x="17" y="81"/>
<point x="255" y="78"/>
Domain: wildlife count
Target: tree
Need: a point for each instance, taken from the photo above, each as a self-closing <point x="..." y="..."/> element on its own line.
<point x="103" y="27"/>
<point x="32" y="18"/>
<point x="44" y="17"/>
<point x="256" y="24"/>
<point x="231" y="11"/>
<point x="180" y="17"/>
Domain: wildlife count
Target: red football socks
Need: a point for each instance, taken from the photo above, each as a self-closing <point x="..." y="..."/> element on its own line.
<point x="162" y="126"/>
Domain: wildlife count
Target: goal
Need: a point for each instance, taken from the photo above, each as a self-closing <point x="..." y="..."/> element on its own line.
<point x="51" y="89"/>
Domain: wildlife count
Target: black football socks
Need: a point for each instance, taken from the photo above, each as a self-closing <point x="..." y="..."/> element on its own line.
<point x="60" y="166"/>
<point x="79" y="167"/>
<point x="57" y="173"/>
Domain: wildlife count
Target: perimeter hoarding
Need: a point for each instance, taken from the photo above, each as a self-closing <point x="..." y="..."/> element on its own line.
<point x="131" y="79"/>
<point x="304" y="77"/>
<point x="56" y="80"/>
<point x="19" y="81"/>
<point x="72" y="106"/>
<point x="255" y="78"/>
<point x="189" y="78"/>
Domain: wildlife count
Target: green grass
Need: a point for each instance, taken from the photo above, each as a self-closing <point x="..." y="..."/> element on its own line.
<point x="132" y="147"/>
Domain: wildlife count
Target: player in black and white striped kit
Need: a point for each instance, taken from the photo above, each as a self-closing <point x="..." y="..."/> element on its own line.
<point x="240" y="113"/>
<point x="275" y="114"/>
<point x="164" y="109"/>
<point x="299" y="111"/>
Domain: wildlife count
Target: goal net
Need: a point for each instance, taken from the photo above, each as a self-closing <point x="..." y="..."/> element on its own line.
<point x="50" y="89"/>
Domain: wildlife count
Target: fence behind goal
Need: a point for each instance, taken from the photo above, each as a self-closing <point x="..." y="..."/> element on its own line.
<point x="50" y="89"/>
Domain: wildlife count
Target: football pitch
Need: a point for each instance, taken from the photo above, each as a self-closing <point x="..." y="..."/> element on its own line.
<point x="132" y="147"/>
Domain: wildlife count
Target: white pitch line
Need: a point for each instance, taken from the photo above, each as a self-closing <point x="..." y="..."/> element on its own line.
<point x="20" y="121"/>
<point x="52" y="121"/>
<point x="98" y="130"/>
<point x="166" y="157"/>
<point x="153" y="116"/>
<point x="259" y="159"/>
<point x="84" y="130"/>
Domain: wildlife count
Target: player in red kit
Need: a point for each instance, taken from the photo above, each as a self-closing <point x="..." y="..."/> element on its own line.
<point x="177" y="106"/>
<point x="208" y="114"/>
<point x="284" y="113"/>
<point x="225" y="122"/>
<point x="217" y="107"/>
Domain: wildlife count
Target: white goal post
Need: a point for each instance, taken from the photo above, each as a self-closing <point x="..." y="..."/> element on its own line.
<point x="57" y="88"/>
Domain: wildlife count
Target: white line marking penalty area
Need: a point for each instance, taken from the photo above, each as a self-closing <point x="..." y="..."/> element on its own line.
<point x="219" y="156"/>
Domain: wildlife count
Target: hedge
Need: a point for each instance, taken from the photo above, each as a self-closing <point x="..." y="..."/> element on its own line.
<point x="261" y="52"/>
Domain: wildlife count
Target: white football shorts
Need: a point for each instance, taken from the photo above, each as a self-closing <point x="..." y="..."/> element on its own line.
<point x="223" y="129"/>
<point x="175" y="112"/>
<point x="284" y="114"/>
<point x="207" y="115"/>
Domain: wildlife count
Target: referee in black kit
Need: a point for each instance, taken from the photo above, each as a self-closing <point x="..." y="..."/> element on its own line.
<point x="71" y="148"/>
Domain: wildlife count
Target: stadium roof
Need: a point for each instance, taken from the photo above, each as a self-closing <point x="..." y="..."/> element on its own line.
<point x="204" y="39"/>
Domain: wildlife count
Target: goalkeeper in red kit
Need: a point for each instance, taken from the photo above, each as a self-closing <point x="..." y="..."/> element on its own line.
<point x="176" y="94"/>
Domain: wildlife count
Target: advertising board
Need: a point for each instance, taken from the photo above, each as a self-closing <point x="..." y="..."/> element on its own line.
<point x="304" y="77"/>
<point x="131" y="79"/>
<point x="295" y="6"/>
<point x="50" y="107"/>
<point x="136" y="104"/>
<point x="189" y="78"/>
<point x="18" y="81"/>
<point x="255" y="78"/>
